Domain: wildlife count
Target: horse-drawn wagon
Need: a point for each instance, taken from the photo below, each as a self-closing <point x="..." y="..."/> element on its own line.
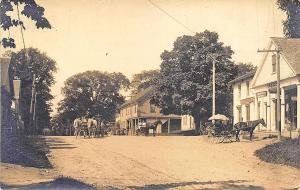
<point x="221" y="131"/>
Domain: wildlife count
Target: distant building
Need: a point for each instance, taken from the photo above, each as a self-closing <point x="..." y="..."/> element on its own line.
<point x="139" y="110"/>
<point x="255" y="93"/>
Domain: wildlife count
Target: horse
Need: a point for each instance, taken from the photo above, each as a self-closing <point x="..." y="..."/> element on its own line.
<point x="91" y="126"/>
<point x="153" y="126"/>
<point x="77" y="127"/>
<point x="247" y="126"/>
<point x="46" y="131"/>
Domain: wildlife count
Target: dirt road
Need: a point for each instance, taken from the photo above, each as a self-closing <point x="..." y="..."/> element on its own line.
<point x="167" y="162"/>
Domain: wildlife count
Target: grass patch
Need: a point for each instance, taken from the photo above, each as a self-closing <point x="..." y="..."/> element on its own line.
<point x="286" y="152"/>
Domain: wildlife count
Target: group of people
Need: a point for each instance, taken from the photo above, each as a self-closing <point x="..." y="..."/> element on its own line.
<point x="88" y="126"/>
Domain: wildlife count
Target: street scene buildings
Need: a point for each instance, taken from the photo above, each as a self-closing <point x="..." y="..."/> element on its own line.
<point x="139" y="110"/>
<point x="255" y="92"/>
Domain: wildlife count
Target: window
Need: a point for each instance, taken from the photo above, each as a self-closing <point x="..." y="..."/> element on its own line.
<point x="152" y="108"/>
<point x="247" y="112"/>
<point x="258" y="110"/>
<point x="239" y="90"/>
<point x="248" y="87"/>
<point x="274" y="63"/>
<point x="239" y="108"/>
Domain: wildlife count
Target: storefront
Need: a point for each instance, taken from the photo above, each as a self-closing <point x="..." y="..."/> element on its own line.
<point x="263" y="88"/>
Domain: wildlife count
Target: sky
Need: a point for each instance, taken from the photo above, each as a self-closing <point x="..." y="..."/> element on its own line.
<point x="128" y="36"/>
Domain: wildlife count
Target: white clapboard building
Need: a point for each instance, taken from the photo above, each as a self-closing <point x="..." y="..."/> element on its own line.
<point x="255" y="92"/>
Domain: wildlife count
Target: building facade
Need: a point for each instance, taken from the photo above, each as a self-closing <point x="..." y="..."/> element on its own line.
<point x="255" y="93"/>
<point x="139" y="111"/>
<point x="10" y="94"/>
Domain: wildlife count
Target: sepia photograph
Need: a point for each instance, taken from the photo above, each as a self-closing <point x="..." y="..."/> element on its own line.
<point x="150" y="94"/>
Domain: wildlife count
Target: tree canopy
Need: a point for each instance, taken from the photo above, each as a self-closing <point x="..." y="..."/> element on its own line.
<point x="94" y="93"/>
<point x="29" y="8"/>
<point x="44" y="68"/>
<point x="185" y="81"/>
<point x="244" y="68"/>
<point x="291" y="26"/>
<point x="143" y="80"/>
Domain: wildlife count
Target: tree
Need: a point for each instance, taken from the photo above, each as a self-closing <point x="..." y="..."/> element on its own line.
<point x="93" y="92"/>
<point x="185" y="82"/>
<point x="29" y="9"/>
<point x="143" y="80"/>
<point x="44" y="68"/>
<point x="244" y="68"/>
<point x="291" y="26"/>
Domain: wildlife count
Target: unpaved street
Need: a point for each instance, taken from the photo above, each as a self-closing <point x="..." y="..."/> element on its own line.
<point x="128" y="162"/>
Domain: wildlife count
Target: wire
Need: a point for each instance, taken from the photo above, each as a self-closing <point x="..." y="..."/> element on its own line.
<point x="172" y="17"/>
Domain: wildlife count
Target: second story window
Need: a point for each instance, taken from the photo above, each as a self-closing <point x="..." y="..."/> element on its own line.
<point x="274" y="63"/>
<point x="152" y="108"/>
<point x="239" y="90"/>
<point x="248" y="88"/>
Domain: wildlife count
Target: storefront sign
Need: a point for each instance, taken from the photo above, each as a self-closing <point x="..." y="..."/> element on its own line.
<point x="261" y="94"/>
<point x="272" y="84"/>
<point x="247" y="100"/>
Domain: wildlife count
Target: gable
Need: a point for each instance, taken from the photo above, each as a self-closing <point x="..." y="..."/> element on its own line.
<point x="264" y="74"/>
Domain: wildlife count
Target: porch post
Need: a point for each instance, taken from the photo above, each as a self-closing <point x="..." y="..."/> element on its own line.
<point x="298" y="106"/>
<point x="269" y="123"/>
<point x="282" y="102"/>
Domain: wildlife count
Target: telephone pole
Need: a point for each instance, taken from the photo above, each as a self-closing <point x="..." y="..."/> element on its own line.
<point x="31" y="115"/>
<point x="278" y="104"/>
<point x="213" y="85"/>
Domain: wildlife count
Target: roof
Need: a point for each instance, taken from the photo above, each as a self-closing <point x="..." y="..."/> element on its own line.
<point x="139" y="97"/>
<point x="246" y="76"/>
<point x="290" y="50"/>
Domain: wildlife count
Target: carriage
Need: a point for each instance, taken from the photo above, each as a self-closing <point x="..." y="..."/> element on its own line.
<point x="219" y="130"/>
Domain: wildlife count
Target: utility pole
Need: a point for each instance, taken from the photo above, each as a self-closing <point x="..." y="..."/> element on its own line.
<point x="32" y="103"/>
<point x="214" y="85"/>
<point x="278" y="104"/>
<point x="34" y="113"/>
<point x="214" y="89"/>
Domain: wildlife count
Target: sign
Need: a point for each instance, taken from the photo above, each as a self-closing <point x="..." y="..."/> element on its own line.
<point x="272" y="84"/>
<point x="261" y="94"/>
<point x="247" y="100"/>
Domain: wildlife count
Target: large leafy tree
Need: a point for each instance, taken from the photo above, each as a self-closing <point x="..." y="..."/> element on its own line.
<point x="244" y="68"/>
<point x="291" y="26"/>
<point x="143" y="80"/>
<point x="94" y="93"/>
<point x="185" y="83"/>
<point x="27" y="8"/>
<point x="44" y="68"/>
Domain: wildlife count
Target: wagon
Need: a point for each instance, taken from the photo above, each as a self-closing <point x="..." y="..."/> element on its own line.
<point x="220" y="133"/>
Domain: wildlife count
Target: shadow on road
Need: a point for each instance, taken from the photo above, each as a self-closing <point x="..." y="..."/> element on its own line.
<point x="61" y="183"/>
<point x="29" y="151"/>
<point x="213" y="185"/>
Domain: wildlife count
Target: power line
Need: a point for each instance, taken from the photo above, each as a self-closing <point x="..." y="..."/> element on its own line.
<point x="172" y="17"/>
